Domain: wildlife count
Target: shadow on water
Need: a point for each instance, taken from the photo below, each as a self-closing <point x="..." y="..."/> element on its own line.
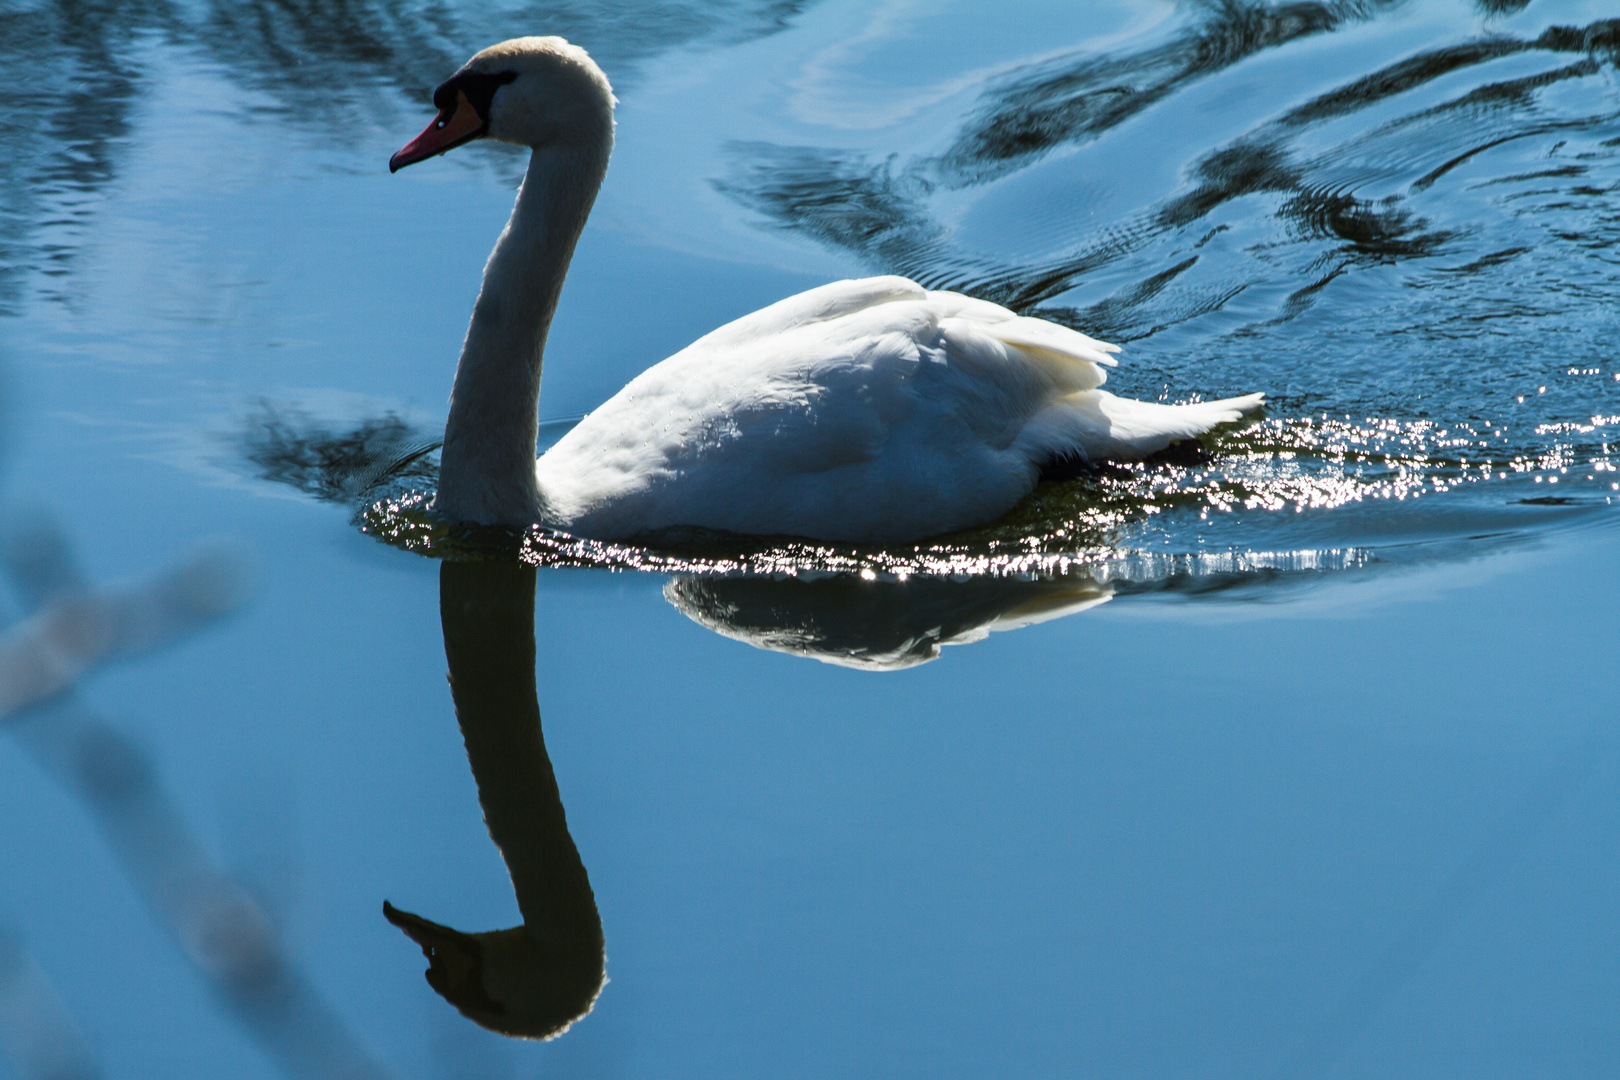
<point x="861" y="619"/>
<point x="870" y="624"/>
<point x="530" y="981"/>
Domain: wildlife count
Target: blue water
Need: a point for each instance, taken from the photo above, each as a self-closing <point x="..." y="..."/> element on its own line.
<point x="1293" y="757"/>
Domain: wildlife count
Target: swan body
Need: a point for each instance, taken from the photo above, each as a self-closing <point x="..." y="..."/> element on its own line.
<point x="864" y="410"/>
<point x="871" y="410"/>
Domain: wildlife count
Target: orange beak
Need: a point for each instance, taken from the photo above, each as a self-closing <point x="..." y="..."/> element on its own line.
<point x="453" y="126"/>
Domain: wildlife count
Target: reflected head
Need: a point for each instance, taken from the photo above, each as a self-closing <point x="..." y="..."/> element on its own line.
<point x="507" y="980"/>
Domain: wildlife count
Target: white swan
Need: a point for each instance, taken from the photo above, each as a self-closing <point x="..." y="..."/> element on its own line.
<point x="861" y="410"/>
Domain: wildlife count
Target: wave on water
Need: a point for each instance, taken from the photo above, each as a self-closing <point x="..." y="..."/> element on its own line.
<point x="1414" y="250"/>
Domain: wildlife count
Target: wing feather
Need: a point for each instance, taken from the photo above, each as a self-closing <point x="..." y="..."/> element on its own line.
<point x="870" y="409"/>
<point x="1071" y="360"/>
<point x="818" y="305"/>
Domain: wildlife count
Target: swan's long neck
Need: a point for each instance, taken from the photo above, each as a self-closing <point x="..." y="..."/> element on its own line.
<point x="486" y="471"/>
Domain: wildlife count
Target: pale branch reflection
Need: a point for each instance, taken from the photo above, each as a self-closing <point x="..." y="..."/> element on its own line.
<point x="220" y="927"/>
<point x="531" y="981"/>
<point x="38" y="1035"/>
<point x="75" y="630"/>
<point x="874" y="624"/>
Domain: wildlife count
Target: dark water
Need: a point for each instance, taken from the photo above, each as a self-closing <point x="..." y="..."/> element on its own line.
<point x="1292" y="756"/>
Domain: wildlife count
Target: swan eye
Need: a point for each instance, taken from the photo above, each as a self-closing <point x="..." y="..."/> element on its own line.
<point x="478" y="86"/>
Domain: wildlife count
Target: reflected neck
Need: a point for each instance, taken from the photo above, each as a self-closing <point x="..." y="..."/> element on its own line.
<point x="486" y="471"/>
<point x="488" y="615"/>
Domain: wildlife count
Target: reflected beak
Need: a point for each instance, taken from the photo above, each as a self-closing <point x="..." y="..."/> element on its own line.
<point x="456" y="963"/>
<point x="453" y="126"/>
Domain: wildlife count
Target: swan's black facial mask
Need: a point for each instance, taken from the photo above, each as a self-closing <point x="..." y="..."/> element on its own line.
<point x="463" y="101"/>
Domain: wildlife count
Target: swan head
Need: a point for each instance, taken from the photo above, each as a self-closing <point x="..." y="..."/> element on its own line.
<point x="508" y="980"/>
<point x="533" y="91"/>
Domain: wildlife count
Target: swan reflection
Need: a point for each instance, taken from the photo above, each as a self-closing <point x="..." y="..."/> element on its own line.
<point x="875" y="624"/>
<point x="530" y="981"/>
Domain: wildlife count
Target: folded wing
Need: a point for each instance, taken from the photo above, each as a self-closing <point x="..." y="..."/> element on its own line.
<point x="863" y="410"/>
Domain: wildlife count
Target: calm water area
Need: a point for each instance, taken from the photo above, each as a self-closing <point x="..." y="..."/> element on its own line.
<point x="1292" y="757"/>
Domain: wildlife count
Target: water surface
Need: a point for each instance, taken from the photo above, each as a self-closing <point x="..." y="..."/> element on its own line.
<point x="1289" y="756"/>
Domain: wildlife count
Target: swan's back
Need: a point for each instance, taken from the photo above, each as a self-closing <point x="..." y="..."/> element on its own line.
<point x="861" y="410"/>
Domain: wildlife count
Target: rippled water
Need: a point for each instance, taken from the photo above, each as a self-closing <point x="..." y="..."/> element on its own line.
<point x="1282" y="755"/>
<point x="1400" y="225"/>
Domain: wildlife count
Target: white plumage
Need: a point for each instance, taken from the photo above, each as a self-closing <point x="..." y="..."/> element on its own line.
<point x="861" y="410"/>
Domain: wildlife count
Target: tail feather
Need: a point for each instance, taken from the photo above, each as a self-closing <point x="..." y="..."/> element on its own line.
<point x="1140" y="428"/>
<point x="1098" y="426"/>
